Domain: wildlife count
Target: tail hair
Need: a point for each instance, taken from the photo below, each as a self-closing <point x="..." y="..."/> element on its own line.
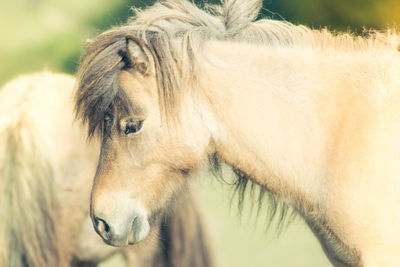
<point x="27" y="234"/>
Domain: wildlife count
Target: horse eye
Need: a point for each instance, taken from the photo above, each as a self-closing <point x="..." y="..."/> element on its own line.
<point x="133" y="126"/>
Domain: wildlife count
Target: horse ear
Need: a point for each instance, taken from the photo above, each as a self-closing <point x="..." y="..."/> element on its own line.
<point x="138" y="54"/>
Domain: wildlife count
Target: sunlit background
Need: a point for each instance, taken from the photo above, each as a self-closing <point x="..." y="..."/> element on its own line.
<point x="50" y="34"/>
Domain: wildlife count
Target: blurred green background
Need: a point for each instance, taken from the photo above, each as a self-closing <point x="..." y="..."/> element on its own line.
<point x="50" y="34"/>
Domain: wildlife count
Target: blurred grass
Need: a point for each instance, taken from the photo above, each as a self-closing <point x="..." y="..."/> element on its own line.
<point x="244" y="241"/>
<point x="40" y="34"/>
<point x="339" y="15"/>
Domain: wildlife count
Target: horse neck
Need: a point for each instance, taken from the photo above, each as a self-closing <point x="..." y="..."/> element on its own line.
<point x="268" y="113"/>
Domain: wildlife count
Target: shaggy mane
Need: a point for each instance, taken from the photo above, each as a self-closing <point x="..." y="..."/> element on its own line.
<point x="174" y="31"/>
<point x="242" y="185"/>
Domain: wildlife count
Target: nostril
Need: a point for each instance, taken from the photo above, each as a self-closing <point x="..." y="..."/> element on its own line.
<point x="102" y="226"/>
<point x="140" y="229"/>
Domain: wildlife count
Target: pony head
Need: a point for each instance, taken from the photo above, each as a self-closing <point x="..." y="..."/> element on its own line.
<point x="143" y="161"/>
<point x="140" y="90"/>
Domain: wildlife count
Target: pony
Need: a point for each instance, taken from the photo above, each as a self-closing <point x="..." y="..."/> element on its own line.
<point x="310" y="117"/>
<point x="46" y="171"/>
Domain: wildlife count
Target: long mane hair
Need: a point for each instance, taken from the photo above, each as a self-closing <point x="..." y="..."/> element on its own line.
<point x="175" y="32"/>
